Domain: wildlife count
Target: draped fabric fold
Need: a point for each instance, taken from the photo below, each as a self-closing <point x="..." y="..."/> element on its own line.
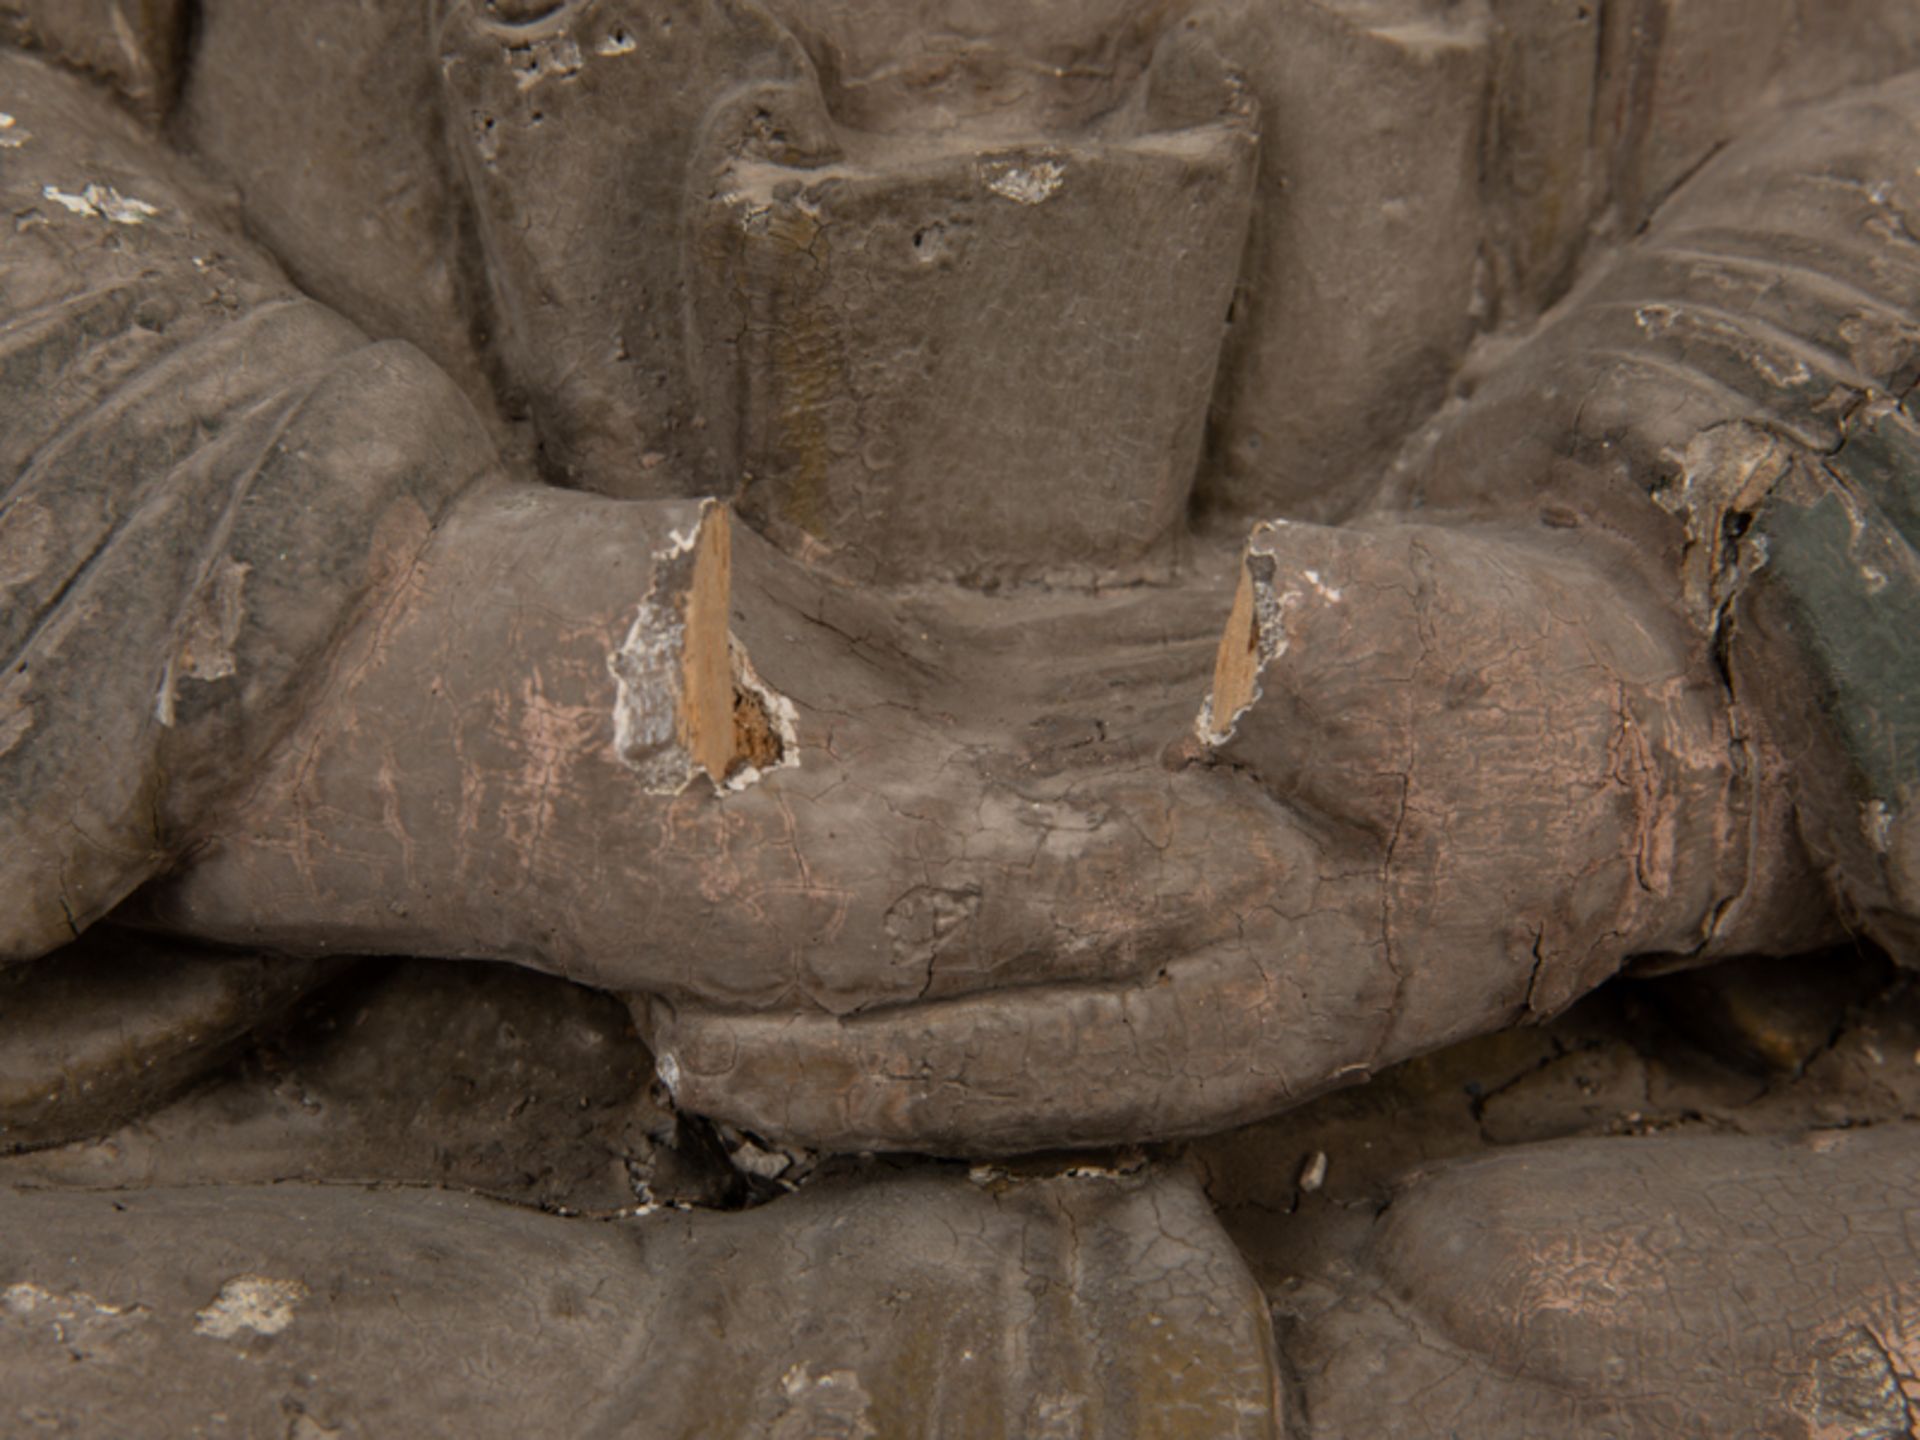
<point x="202" y="473"/>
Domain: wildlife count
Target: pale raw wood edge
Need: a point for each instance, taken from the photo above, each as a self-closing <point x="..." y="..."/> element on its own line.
<point x="706" y="691"/>
<point x="1236" y="666"/>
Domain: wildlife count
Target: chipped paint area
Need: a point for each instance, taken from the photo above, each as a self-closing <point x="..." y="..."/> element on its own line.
<point x="1876" y="823"/>
<point x="1000" y="1177"/>
<point x="213" y="623"/>
<point x="1326" y="592"/>
<point x="30" y="1300"/>
<point x="102" y="202"/>
<point x="1781" y="378"/>
<point x="163" y="707"/>
<point x="1032" y="183"/>
<point x="250" y="1302"/>
<point x="1313" y="1174"/>
<point x="830" y="1402"/>
<point x="677" y="715"/>
<point x="1728" y="469"/>
<point x="544" y="59"/>
<point x="1271" y="609"/>
<point x="758" y="1160"/>
<point x="618" y="43"/>
<point x="210" y="630"/>
<point x="781" y="716"/>
<point x="75" y="1320"/>
<point x="668" y="1069"/>
<point x="1270" y="606"/>
<point x="1204" y="729"/>
<point x="1058" y="1417"/>
<point x="1877" y="344"/>
<point x="12" y="137"/>
<point x="647" y="680"/>
<point x="1125" y="1170"/>
<point x="1861" y="1382"/>
<point x="1655" y="319"/>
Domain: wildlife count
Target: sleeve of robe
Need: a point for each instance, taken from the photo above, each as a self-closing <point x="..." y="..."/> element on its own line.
<point x="202" y="476"/>
<point x="1789" y="275"/>
<point x="1772" y="314"/>
<point x="1751" y="363"/>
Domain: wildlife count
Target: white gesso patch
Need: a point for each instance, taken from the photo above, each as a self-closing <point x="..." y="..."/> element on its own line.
<point x="647" y="682"/>
<point x="1329" y="593"/>
<point x="668" y="1069"/>
<point x="163" y="703"/>
<point x="1655" y="319"/>
<point x="29" y="1301"/>
<point x="1203" y="730"/>
<point x="102" y="202"/>
<point x="1781" y="379"/>
<point x="1876" y="823"/>
<point x="83" y="1326"/>
<point x="1313" y="1174"/>
<point x="250" y="1302"/>
<point x="1030" y="184"/>
<point x="767" y="1164"/>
